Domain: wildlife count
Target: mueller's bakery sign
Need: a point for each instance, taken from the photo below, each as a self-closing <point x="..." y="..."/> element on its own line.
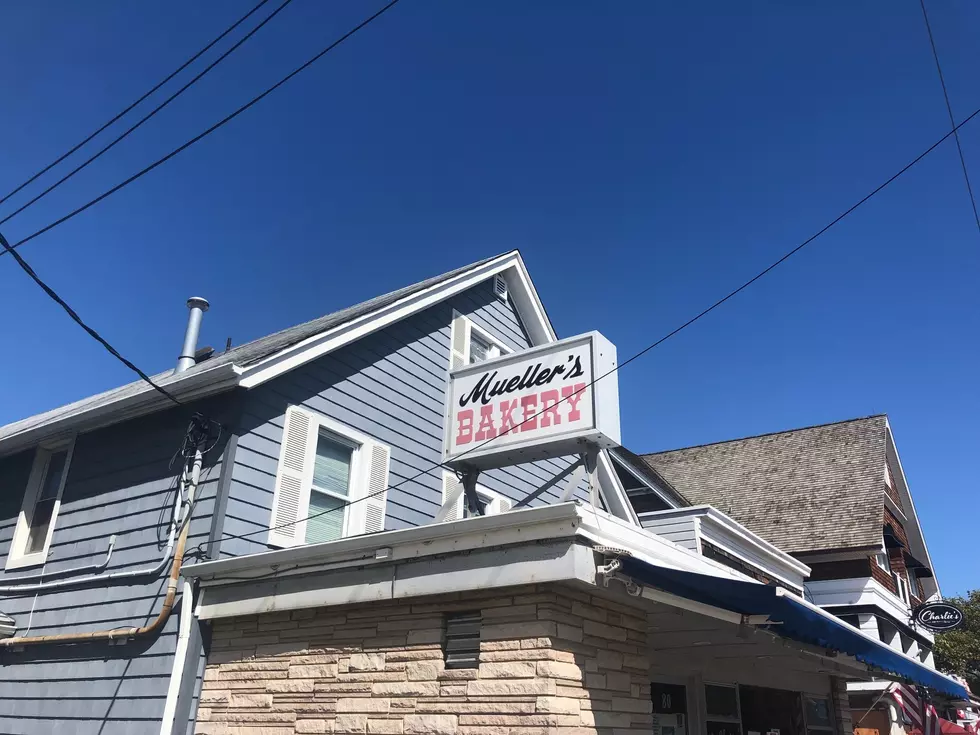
<point x="539" y="403"/>
<point x="938" y="616"/>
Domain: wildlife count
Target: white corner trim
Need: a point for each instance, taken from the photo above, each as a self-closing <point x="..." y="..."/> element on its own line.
<point x="318" y="345"/>
<point x="180" y="656"/>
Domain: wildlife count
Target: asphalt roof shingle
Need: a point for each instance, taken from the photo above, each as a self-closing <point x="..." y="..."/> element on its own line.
<point x="803" y="490"/>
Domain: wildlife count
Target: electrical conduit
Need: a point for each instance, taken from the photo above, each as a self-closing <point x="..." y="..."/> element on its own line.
<point x="168" y="601"/>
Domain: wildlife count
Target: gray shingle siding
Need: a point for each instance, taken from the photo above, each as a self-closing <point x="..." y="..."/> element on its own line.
<point x="390" y="385"/>
<point x="119" y="482"/>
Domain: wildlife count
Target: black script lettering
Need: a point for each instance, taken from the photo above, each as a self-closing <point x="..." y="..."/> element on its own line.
<point x="576" y="368"/>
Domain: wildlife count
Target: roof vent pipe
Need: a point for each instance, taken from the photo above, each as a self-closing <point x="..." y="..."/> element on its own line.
<point x="198" y="306"/>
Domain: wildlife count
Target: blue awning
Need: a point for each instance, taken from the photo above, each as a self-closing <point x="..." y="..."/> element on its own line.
<point x="794" y="618"/>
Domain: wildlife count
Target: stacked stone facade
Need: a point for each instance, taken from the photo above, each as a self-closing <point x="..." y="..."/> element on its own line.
<point x="554" y="660"/>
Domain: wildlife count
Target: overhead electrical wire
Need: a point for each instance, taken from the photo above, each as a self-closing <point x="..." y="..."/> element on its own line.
<point x="121" y="114"/>
<point x="949" y="109"/>
<point x="25" y="266"/>
<point x="139" y="174"/>
<point x="126" y="133"/>
<point x="731" y="294"/>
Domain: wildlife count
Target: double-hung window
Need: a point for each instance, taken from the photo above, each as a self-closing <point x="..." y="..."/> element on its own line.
<point x="331" y="481"/>
<point x="42" y="500"/>
<point x="472" y="344"/>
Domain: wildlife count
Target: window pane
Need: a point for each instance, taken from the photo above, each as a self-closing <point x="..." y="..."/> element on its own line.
<point x="331" y="469"/>
<point x="720" y="701"/>
<point x="40" y="520"/>
<point x="482" y="500"/>
<point x="818" y="712"/>
<point x="330" y="525"/>
<point x="478" y="348"/>
<point x="52" y="478"/>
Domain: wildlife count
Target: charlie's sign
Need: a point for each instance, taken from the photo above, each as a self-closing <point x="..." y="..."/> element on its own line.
<point x="938" y="616"/>
<point x="534" y="404"/>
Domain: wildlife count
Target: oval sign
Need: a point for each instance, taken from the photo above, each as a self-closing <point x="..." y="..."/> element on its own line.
<point x="938" y="616"/>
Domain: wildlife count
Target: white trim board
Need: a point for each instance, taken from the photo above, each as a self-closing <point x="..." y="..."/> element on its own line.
<point x="510" y="265"/>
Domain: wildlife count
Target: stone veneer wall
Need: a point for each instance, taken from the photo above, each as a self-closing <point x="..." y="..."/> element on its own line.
<point x="553" y="661"/>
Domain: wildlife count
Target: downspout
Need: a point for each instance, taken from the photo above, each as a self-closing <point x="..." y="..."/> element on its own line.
<point x="116" y="634"/>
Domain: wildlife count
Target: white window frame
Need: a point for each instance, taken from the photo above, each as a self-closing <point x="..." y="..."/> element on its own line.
<point x="18" y="558"/>
<point x="461" y="321"/>
<point x="881" y="559"/>
<point x="360" y="482"/>
<point x="902" y="587"/>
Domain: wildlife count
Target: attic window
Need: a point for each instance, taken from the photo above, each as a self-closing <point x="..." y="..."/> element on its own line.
<point x="462" y="648"/>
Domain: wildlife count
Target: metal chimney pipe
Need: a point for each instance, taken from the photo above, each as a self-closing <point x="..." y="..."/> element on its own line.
<point x="198" y="306"/>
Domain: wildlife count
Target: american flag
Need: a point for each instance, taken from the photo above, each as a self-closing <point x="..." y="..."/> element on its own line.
<point x="909" y="702"/>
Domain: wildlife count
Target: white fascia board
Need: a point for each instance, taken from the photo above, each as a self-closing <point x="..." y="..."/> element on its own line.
<point x="604" y="529"/>
<point x="906" y="495"/>
<point x="198" y="384"/>
<point x="555" y="561"/>
<point x="321" y="344"/>
<point x="515" y="526"/>
<point x="720" y="529"/>
<point x="857" y="591"/>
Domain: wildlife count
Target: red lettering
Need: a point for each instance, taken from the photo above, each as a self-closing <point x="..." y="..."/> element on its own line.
<point x="573" y="394"/>
<point x="549" y="414"/>
<point x="464" y="434"/>
<point x="530" y="406"/>
<point x="486" y="429"/>
<point x="507" y="409"/>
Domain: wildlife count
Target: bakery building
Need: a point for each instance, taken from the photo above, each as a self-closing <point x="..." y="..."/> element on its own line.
<point x="418" y="518"/>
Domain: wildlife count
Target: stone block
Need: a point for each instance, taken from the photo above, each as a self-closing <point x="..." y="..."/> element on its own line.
<point x="507" y="670"/>
<point x="406" y="689"/>
<point x="215" y="696"/>
<point x="431" y="724"/>
<point x="313" y="671"/>
<point x="520" y="630"/>
<point x="419" y="637"/>
<point x="609" y="659"/>
<point x="569" y="632"/>
<point x="611" y="719"/>
<point x="510" y="687"/>
<point x="559" y="670"/>
<point x="385" y="727"/>
<point x="426" y="670"/>
<point x="243" y="699"/>
<point x="628" y="704"/>
<point x="289" y="686"/>
<point x="312" y="726"/>
<point x="619" y="681"/>
<point x="595" y="681"/>
<point x="604" y="630"/>
<point x="363" y="704"/>
<point x="499" y="645"/>
<point x="350" y="724"/>
<point x="557" y="705"/>
<point x="367" y="662"/>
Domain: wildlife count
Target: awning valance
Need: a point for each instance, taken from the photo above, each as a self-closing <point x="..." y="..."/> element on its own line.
<point x="793" y="618"/>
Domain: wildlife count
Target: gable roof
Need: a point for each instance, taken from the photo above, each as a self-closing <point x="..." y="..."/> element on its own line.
<point x="254" y="362"/>
<point x="805" y="490"/>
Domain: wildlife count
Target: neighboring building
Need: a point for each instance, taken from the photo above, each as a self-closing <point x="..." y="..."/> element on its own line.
<point x="317" y="594"/>
<point x="836" y="498"/>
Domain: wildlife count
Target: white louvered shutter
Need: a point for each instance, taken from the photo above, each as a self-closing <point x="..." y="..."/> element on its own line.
<point x="499" y="505"/>
<point x="460" y="341"/>
<point x="449" y="485"/>
<point x="378" y="457"/>
<point x="292" y="494"/>
<point x="500" y="287"/>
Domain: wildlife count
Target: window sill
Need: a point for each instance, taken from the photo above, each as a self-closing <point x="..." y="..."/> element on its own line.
<point x="26" y="561"/>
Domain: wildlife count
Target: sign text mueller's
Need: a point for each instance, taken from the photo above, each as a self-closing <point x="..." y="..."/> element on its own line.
<point x="535" y="404"/>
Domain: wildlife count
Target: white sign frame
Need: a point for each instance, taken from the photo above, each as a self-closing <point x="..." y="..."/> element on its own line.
<point x="599" y="404"/>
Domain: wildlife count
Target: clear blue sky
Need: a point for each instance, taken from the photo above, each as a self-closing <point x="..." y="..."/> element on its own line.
<point x="645" y="158"/>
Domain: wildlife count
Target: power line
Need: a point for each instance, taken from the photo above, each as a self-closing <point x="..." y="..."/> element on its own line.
<point x="949" y="109"/>
<point x="146" y="117"/>
<point x="195" y="139"/>
<point x="641" y="353"/>
<point x="166" y="79"/>
<point x="78" y="320"/>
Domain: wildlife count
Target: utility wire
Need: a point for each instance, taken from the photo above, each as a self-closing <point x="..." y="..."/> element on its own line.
<point x="11" y="249"/>
<point x="170" y="76"/>
<point x="147" y="116"/>
<point x="78" y="320"/>
<point x="641" y="353"/>
<point x="949" y="109"/>
<point x="195" y="139"/>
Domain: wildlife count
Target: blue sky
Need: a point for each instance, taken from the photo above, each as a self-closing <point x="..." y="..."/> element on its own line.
<point x="645" y="158"/>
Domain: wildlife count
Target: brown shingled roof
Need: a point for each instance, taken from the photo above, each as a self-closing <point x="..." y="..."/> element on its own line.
<point x="811" y="489"/>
